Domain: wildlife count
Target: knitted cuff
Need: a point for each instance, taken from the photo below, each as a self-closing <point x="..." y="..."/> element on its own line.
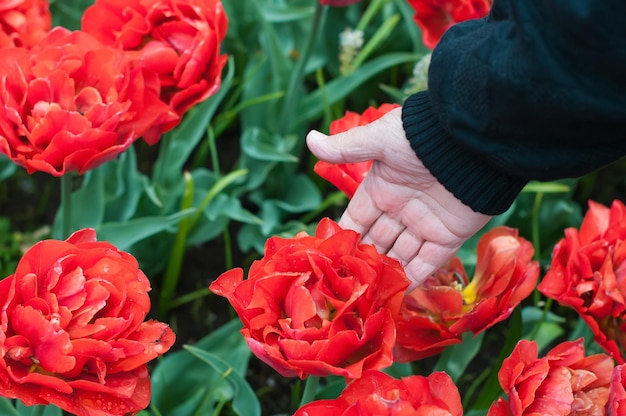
<point x="474" y="182"/>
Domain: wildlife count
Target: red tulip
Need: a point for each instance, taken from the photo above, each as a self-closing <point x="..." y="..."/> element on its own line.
<point x="587" y="274"/>
<point x="564" y="382"/>
<point x="377" y="393"/>
<point x="437" y="313"/>
<point x="72" y="330"/>
<point x="177" y="39"/>
<point x="71" y="103"/>
<point x="434" y="17"/>
<point x="617" y="394"/>
<point x="23" y="23"/>
<point x="318" y="305"/>
<point x="348" y="176"/>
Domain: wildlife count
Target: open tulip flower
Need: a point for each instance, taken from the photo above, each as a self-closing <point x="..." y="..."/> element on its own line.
<point x="348" y="176"/>
<point x="23" y="23"/>
<point x="318" y="305"/>
<point x="447" y="304"/>
<point x="71" y="103"/>
<point x="617" y="395"/>
<point x="587" y="274"/>
<point x="177" y="39"/>
<point x="377" y="393"/>
<point x="564" y="382"/>
<point x="434" y="17"/>
<point x="72" y="330"/>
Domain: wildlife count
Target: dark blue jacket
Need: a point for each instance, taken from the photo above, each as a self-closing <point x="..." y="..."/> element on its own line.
<point x="534" y="91"/>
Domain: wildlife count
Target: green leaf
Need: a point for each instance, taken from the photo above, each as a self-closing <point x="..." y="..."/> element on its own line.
<point x="7" y="167"/>
<point x="284" y="13"/>
<point x="312" y="106"/>
<point x="399" y="370"/>
<point x="547" y="187"/>
<point x="182" y="387"/>
<point x="491" y="388"/>
<point x="124" y="186"/>
<point x="245" y="401"/>
<point x="68" y="14"/>
<point x="381" y="34"/>
<point x="88" y="204"/>
<point x="455" y="359"/>
<point x="124" y="234"/>
<point x="24" y="410"/>
<point x="228" y="206"/>
<point x="7" y="408"/>
<point x="261" y="145"/>
<point x="541" y="325"/>
<point x="177" y="145"/>
<point x="301" y="195"/>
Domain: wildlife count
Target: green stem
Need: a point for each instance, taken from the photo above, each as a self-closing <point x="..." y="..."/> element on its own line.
<point x="190" y="297"/>
<point x="536" y="234"/>
<point x="213" y="152"/>
<point x="66" y="204"/>
<point x="310" y="389"/>
<point x="172" y="272"/>
<point x="298" y="72"/>
<point x="372" y="10"/>
<point x="544" y="314"/>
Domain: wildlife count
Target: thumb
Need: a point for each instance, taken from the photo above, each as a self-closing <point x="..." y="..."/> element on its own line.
<point x="359" y="144"/>
<point x="353" y="146"/>
<point x="345" y="147"/>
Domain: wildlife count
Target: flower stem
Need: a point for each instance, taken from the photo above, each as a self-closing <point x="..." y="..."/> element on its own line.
<point x="310" y="389"/>
<point x="298" y="72"/>
<point x="536" y="232"/>
<point x="66" y="205"/>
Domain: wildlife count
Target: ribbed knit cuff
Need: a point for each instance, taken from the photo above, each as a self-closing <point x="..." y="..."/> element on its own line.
<point x="474" y="182"/>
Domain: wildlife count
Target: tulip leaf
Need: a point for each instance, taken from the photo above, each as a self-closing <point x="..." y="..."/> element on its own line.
<point x="124" y="234"/>
<point x="301" y="195"/>
<point x="412" y="30"/>
<point x="455" y="359"/>
<point x="68" y="14"/>
<point x="261" y="145"/>
<point x="491" y="388"/>
<point x="547" y="187"/>
<point x="87" y="204"/>
<point x="177" y="145"/>
<point x="23" y="410"/>
<point x="7" y="167"/>
<point x="7" y="408"/>
<point x="124" y="186"/>
<point x="541" y="326"/>
<point x="181" y="387"/>
<point x="285" y="13"/>
<point x="245" y="401"/>
<point x="312" y="106"/>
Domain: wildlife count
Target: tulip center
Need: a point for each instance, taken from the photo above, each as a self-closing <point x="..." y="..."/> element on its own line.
<point x="469" y="293"/>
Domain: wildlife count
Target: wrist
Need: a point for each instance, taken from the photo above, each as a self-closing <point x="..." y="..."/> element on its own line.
<point x="466" y="175"/>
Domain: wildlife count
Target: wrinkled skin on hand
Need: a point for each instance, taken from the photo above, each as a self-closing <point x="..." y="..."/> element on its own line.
<point x="400" y="206"/>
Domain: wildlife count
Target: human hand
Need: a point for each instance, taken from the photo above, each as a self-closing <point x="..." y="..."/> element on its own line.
<point x="399" y="207"/>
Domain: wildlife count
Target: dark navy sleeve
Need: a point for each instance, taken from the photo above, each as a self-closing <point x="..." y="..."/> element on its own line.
<point x="534" y="91"/>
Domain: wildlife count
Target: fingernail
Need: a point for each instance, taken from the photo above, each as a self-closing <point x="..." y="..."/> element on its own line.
<point x="316" y="135"/>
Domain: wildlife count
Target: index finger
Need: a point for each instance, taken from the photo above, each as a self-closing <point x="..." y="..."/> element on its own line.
<point x="361" y="212"/>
